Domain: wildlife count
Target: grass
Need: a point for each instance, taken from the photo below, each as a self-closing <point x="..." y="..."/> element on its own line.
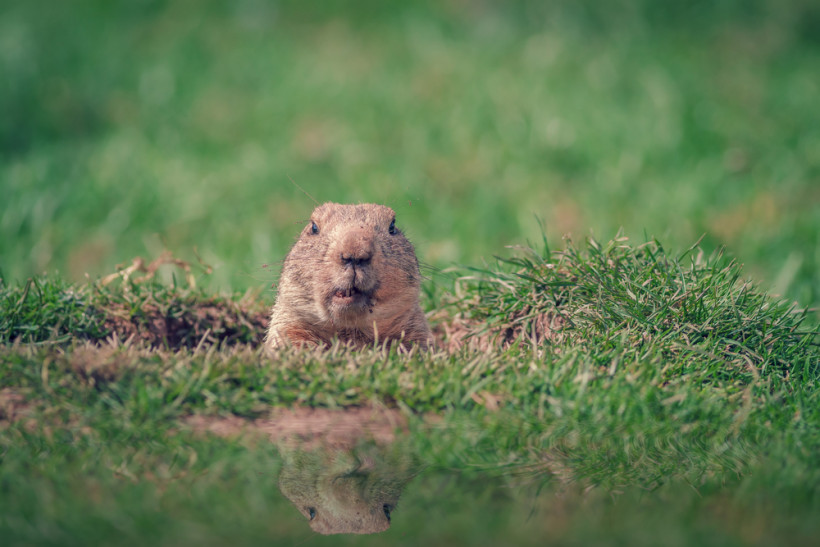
<point x="606" y="392"/>
<point x="472" y="120"/>
<point x="672" y="387"/>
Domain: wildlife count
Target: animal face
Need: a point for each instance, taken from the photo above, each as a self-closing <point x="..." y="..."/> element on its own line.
<point x="357" y="261"/>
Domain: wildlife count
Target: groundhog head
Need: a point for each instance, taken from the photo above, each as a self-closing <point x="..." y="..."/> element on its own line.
<point x="352" y="274"/>
<point x="346" y="491"/>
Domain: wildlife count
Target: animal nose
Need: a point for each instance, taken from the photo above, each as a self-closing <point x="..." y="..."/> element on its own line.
<point x="356" y="249"/>
<point x="357" y="259"/>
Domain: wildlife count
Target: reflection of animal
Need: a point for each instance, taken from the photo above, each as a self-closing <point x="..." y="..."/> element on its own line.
<point x="353" y="275"/>
<point x="345" y="492"/>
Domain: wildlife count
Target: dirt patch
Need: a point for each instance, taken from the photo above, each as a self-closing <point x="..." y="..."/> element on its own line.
<point x="188" y="324"/>
<point x="177" y="317"/>
<point x="454" y="333"/>
<point x="97" y="365"/>
<point x="13" y="405"/>
<point x="310" y="427"/>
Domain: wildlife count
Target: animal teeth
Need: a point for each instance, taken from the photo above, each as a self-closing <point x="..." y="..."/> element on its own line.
<point x="345" y="293"/>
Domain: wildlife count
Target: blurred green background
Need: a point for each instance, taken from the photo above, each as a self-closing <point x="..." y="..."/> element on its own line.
<point x="128" y="127"/>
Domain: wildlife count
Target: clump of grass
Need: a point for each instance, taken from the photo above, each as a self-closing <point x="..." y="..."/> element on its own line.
<point x="48" y="309"/>
<point x="697" y="312"/>
<point x="170" y="316"/>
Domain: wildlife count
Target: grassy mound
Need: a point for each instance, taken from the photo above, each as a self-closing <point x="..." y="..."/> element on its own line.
<point x="47" y="309"/>
<point x="697" y="314"/>
<point x="612" y="368"/>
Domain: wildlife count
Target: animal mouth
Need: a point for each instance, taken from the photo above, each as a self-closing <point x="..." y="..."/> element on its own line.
<point x="349" y="296"/>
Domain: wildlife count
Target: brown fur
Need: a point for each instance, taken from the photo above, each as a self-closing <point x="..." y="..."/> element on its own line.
<point x="353" y="250"/>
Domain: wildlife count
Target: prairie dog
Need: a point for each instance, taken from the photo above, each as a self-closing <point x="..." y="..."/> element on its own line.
<point x="351" y="274"/>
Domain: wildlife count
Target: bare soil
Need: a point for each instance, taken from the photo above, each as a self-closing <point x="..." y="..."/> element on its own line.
<point x="207" y="322"/>
<point x="310" y="427"/>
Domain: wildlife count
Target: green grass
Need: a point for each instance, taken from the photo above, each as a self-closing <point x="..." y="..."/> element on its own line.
<point x="673" y="388"/>
<point x="48" y="309"/>
<point x="677" y="403"/>
<point x="135" y="127"/>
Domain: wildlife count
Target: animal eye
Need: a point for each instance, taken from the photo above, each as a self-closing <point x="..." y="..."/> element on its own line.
<point x="314" y="229"/>
<point x="311" y="510"/>
<point x="392" y="228"/>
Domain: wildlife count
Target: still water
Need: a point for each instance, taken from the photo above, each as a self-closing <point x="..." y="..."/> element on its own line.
<point x="351" y="479"/>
